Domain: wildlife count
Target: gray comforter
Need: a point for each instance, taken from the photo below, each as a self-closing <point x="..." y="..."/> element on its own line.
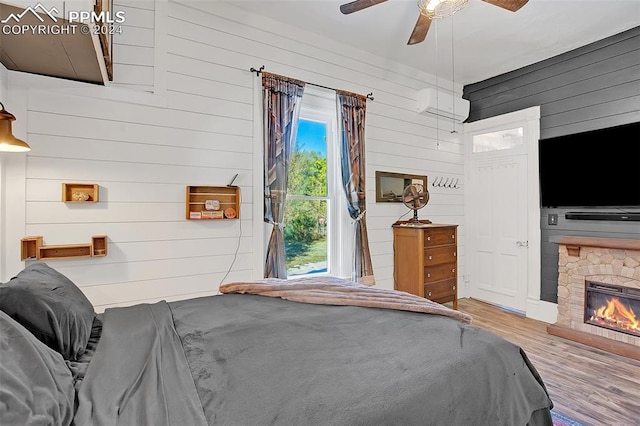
<point x="240" y="359"/>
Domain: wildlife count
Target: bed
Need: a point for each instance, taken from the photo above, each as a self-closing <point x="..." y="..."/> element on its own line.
<point x="307" y="352"/>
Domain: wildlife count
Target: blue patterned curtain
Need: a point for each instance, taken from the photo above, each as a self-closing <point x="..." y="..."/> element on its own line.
<point x="351" y="112"/>
<point x="281" y="102"/>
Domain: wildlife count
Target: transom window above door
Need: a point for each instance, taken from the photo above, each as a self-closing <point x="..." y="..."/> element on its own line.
<point x="495" y="141"/>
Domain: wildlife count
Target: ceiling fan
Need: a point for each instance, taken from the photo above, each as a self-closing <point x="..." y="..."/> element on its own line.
<point x="429" y="10"/>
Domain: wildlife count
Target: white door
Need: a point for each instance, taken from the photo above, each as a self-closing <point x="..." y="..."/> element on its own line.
<point x="499" y="241"/>
<point x="497" y="214"/>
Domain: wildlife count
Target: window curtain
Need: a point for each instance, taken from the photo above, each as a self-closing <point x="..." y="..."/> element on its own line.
<point x="351" y="112"/>
<point x="281" y="103"/>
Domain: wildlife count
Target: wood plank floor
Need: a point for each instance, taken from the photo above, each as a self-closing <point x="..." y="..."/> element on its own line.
<point x="590" y="385"/>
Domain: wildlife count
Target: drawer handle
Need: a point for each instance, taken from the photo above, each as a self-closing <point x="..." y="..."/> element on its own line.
<point x="429" y="294"/>
<point x="430" y="257"/>
<point x="428" y="238"/>
<point x="453" y="269"/>
<point x="453" y="237"/>
<point x="428" y="275"/>
<point x="454" y="287"/>
<point x="454" y="254"/>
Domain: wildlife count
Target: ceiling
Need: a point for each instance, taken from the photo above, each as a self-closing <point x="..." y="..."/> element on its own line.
<point x="487" y="40"/>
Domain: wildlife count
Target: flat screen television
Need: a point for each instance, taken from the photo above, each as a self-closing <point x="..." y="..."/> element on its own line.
<point x="599" y="168"/>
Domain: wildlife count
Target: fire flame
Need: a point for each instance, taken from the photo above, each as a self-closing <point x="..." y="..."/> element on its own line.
<point x="615" y="312"/>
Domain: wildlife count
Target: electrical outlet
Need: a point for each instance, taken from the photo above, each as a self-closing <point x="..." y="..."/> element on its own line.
<point x="552" y="219"/>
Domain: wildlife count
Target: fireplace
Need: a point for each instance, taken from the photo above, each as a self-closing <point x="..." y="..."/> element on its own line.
<point x="604" y="275"/>
<point x="613" y="307"/>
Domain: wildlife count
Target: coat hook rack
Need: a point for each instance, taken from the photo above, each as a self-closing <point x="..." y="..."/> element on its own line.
<point x="442" y="182"/>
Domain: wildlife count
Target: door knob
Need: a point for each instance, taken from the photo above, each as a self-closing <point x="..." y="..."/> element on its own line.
<point x="522" y="243"/>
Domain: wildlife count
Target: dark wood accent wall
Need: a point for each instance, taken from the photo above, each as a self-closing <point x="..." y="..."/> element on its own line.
<point x="592" y="87"/>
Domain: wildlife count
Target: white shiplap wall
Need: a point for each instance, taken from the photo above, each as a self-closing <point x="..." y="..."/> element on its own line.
<point x="182" y="111"/>
<point x="133" y="58"/>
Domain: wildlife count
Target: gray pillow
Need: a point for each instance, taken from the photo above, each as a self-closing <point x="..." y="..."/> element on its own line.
<point x="50" y="306"/>
<point x="37" y="386"/>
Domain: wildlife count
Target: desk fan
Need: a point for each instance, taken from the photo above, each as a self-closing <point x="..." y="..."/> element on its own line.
<point x="415" y="196"/>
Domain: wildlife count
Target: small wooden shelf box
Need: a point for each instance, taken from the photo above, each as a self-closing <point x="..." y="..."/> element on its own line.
<point x="65" y="251"/>
<point x="80" y="192"/>
<point x="225" y="201"/>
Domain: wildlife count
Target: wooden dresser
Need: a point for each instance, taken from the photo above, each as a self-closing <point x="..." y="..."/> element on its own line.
<point x="426" y="261"/>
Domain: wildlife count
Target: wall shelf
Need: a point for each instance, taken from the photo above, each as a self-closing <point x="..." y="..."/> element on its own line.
<point x="33" y="248"/>
<point x="64" y="251"/>
<point x="212" y="202"/>
<point x="80" y="192"/>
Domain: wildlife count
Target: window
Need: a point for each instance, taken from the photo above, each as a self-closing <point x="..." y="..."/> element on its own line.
<point x="315" y="209"/>
<point x="306" y="212"/>
<point x="495" y="141"/>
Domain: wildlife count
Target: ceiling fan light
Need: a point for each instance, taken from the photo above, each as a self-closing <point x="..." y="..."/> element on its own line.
<point x="436" y="9"/>
<point x="8" y="142"/>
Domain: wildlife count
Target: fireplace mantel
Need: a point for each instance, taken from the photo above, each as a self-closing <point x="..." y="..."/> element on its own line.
<point x="601" y="242"/>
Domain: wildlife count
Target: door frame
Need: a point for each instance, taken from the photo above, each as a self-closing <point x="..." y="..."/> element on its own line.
<point x="529" y="119"/>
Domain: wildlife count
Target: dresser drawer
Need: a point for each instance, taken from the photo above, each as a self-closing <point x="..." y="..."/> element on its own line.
<point x="439" y="236"/>
<point x="439" y="272"/>
<point x="441" y="290"/>
<point x="438" y="255"/>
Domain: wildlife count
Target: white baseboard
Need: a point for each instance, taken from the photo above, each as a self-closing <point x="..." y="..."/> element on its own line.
<point x="542" y="311"/>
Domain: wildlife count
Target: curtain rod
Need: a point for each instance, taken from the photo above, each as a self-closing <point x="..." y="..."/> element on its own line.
<point x="259" y="71"/>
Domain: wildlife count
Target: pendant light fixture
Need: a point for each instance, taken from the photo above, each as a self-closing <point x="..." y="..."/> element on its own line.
<point x="8" y="142"/>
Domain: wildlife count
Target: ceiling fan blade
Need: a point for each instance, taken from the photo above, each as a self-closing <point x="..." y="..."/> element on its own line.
<point x="357" y="5"/>
<point x="420" y="30"/>
<point x="511" y="5"/>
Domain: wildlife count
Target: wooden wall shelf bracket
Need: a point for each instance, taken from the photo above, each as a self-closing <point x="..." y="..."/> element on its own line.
<point x="33" y="248"/>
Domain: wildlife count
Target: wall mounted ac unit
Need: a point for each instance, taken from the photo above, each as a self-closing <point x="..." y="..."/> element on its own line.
<point x="442" y="104"/>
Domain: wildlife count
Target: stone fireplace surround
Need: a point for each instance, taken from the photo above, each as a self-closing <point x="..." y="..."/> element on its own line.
<point x="611" y="261"/>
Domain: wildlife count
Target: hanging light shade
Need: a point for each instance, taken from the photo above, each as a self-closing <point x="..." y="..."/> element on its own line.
<point x="8" y="142"/>
<point x="436" y="9"/>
